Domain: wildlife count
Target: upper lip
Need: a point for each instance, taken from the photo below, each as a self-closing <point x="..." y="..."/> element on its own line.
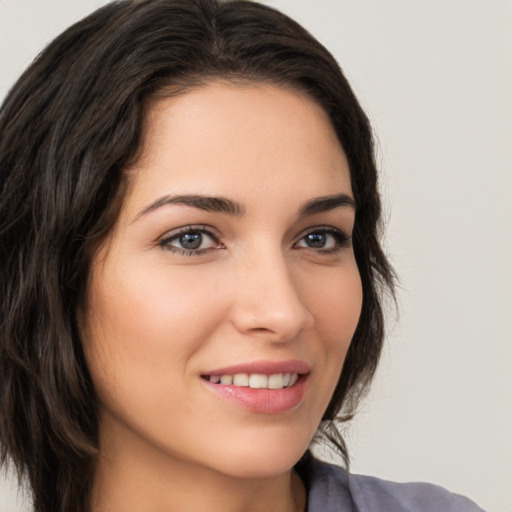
<point x="263" y="367"/>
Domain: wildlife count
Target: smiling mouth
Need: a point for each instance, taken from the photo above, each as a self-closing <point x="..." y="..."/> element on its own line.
<point x="255" y="380"/>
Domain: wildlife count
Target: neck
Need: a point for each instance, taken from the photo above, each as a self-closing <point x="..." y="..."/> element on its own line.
<point x="145" y="479"/>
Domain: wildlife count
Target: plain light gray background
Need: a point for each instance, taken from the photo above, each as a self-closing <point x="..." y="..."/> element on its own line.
<point x="436" y="78"/>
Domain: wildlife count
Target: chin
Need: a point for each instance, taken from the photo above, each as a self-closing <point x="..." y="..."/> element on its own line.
<point x="262" y="459"/>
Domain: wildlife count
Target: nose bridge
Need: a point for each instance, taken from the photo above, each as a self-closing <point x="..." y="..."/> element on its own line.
<point x="267" y="297"/>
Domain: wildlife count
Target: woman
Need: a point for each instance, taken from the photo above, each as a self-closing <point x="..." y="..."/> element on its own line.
<point x="191" y="273"/>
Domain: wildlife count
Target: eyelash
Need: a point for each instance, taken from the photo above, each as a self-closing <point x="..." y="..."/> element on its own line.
<point x="341" y="240"/>
<point x="165" y="242"/>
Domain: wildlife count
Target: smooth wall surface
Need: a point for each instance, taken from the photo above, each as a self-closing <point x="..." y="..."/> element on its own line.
<point x="436" y="79"/>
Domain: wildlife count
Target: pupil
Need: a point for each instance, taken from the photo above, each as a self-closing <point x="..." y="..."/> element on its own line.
<point x="191" y="240"/>
<point x="316" y="239"/>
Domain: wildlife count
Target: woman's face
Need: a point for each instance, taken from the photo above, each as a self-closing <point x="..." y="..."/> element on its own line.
<point x="231" y="259"/>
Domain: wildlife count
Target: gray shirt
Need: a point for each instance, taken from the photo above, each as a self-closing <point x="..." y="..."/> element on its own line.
<point x="331" y="489"/>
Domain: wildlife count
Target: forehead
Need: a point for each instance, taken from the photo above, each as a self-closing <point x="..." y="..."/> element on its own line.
<point x="224" y="139"/>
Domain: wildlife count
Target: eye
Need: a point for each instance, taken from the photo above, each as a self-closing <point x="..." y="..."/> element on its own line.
<point x="324" y="239"/>
<point x="190" y="240"/>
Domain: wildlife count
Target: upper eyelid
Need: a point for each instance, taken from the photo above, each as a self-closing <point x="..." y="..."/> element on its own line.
<point x="342" y="238"/>
<point x="165" y="241"/>
<point x="202" y="228"/>
<point x="322" y="228"/>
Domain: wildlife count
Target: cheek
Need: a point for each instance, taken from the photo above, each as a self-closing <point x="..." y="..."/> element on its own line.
<point x="337" y="306"/>
<point x="143" y="326"/>
<point x="335" y="302"/>
<point x="159" y="304"/>
<point x="336" y="309"/>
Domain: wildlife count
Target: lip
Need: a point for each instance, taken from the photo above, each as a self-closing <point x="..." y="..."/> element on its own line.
<point x="263" y="367"/>
<point x="262" y="401"/>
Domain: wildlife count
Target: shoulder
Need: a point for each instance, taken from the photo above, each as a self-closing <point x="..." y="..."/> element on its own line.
<point x="370" y="493"/>
<point x="331" y="489"/>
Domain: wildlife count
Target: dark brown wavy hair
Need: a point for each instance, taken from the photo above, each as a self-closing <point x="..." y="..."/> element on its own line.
<point x="68" y="129"/>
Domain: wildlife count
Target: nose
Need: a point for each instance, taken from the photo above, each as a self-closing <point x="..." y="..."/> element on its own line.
<point x="267" y="300"/>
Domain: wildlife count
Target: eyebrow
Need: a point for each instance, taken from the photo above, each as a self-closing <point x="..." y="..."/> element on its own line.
<point x="323" y="204"/>
<point x="207" y="203"/>
<point x="230" y="207"/>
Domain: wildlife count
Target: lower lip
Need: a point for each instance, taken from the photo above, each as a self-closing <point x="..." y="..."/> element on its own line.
<point x="264" y="401"/>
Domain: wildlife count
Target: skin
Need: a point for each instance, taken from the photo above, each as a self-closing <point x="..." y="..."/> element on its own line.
<point x="156" y="318"/>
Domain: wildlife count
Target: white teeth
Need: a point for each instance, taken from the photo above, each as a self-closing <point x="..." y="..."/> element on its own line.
<point x="256" y="380"/>
<point x="241" y="379"/>
<point x="275" y="381"/>
<point x="226" y="380"/>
